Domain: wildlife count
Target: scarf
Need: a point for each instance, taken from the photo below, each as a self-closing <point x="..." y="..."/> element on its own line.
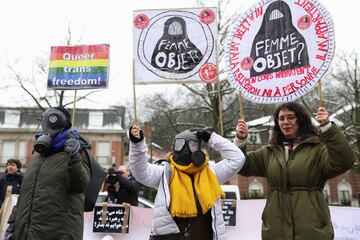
<point x="289" y="145"/>
<point x="206" y="185"/>
<point x="59" y="140"/>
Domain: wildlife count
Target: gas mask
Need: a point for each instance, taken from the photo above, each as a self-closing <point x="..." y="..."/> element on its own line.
<point x="186" y="149"/>
<point x="53" y="122"/>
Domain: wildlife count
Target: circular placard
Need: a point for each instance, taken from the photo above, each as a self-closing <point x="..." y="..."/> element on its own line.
<point x="278" y="49"/>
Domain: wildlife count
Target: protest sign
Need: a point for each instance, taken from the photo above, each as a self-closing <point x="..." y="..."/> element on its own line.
<point x="248" y="226"/>
<point x="6" y="209"/>
<point x="175" y="46"/>
<point x="278" y="49"/>
<point x="110" y="219"/>
<point x="139" y="226"/>
<point x="79" y="67"/>
<point x="346" y="222"/>
<point x="229" y="211"/>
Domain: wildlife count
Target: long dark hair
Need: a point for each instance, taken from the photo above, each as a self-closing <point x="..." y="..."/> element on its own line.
<point x="306" y="128"/>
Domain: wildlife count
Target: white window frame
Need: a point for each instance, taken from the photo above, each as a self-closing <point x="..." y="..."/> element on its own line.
<point x="103" y="155"/>
<point x="344" y="186"/>
<point x="96" y="119"/>
<point x="257" y="186"/>
<point x="6" y="150"/>
<point x="12" y="118"/>
<point x="22" y="150"/>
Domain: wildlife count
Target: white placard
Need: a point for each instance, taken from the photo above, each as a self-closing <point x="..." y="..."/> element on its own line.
<point x="175" y="45"/>
<point x="278" y="49"/>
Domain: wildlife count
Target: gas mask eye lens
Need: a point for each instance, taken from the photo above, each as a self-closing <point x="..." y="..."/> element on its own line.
<point x="193" y="145"/>
<point x="53" y="118"/>
<point x="179" y="144"/>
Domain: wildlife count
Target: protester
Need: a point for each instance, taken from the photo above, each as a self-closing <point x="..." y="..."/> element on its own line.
<point x="51" y="201"/>
<point x="13" y="177"/>
<point x="121" y="186"/>
<point x="297" y="163"/>
<point x="187" y="204"/>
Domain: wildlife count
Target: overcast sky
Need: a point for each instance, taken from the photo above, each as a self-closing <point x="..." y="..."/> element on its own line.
<point x="28" y="28"/>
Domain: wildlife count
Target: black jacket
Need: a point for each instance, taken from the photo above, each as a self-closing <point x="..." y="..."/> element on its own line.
<point x="51" y="202"/>
<point x="13" y="180"/>
<point x="129" y="190"/>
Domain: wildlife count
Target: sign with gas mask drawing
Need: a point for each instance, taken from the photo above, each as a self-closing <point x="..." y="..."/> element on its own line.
<point x="279" y="49"/>
<point x="175" y="46"/>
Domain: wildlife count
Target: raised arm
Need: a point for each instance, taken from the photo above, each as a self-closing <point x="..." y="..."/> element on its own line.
<point x="233" y="158"/>
<point x="143" y="171"/>
<point x="337" y="156"/>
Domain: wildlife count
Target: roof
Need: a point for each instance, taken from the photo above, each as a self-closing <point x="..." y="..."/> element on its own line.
<point x="85" y="119"/>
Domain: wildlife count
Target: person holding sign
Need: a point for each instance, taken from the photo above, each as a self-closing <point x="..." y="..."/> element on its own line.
<point x="298" y="161"/>
<point x="51" y="201"/>
<point x="187" y="204"/>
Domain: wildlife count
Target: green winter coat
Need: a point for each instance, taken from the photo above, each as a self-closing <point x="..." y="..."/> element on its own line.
<point x="51" y="201"/>
<point x="296" y="207"/>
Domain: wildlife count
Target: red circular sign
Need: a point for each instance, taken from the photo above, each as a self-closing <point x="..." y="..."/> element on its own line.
<point x="141" y="21"/>
<point x="304" y="22"/>
<point x="207" y="16"/>
<point x="247" y="63"/>
<point x="208" y="72"/>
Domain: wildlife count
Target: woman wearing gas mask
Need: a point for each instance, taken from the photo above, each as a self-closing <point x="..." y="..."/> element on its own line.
<point x="51" y="201"/>
<point x="187" y="204"/>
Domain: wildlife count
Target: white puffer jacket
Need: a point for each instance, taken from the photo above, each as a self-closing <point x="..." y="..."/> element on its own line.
<point x="153" y="175"/>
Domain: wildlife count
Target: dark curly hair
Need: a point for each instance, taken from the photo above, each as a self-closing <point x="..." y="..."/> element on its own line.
<point x="15" y="161"/>
<point x="306" y="128"/>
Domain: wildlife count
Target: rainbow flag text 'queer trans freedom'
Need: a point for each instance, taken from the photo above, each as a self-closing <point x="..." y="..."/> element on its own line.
<point x="79" y="67"/>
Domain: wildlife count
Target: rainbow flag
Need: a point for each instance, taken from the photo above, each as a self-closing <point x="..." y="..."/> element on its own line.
<point x="79" y="67"/>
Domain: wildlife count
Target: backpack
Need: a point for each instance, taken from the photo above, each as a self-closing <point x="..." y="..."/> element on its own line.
<point x="97" y="177"/>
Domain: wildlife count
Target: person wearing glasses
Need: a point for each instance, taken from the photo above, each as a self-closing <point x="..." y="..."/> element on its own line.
<point x="297" y="162"/>
<point x="187" y="204"/>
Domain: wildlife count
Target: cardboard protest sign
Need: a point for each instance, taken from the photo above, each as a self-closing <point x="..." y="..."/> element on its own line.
<point x="110" y="219"/>
<point x="279" y="49"/>
<point x="140" y="224"/>
<point x="175" y="46"/>
<point x="229" y="211"/>
<point x="79" y="67"/>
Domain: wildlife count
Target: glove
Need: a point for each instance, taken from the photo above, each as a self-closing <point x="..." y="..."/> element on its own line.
<point x="203" y="135"/>
<point x="72" y="147"/>
<point x="136" y="139"/>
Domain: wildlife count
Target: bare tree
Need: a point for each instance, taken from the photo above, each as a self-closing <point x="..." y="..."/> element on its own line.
<point x="347" y="79"/>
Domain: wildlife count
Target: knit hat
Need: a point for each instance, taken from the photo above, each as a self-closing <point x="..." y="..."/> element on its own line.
<point x="66" y="113"/>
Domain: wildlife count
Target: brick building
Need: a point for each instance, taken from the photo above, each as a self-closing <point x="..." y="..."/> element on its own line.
<point x="103" y="127"/>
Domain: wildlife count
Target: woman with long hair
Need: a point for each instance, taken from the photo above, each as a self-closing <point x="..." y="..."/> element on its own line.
<point x="298" y="161"/>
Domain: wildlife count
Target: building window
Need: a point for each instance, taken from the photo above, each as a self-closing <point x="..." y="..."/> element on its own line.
<point x="103" y="152"/>
<point x="344" y="193"/>
<point x="22" y="151"/>
<point x="8" y="150"/>
<point x="326" y="192"/>
<point x="12" y="118"/>
<point x="255" y="189"/>
<point x="96" y="119"/>
<point x="254" y="138"/>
